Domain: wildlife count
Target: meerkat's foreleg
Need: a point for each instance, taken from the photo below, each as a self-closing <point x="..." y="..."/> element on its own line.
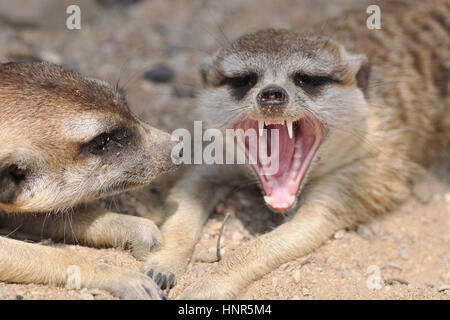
<point x="93" y="226"/>
<point x="32" y="263"/>
<point x="189" y="203"/>
<point x="312" y="226"/>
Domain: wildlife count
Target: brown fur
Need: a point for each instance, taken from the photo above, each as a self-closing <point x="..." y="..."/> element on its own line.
<point x="66" y="141"/>
<point x="379" y="127"/>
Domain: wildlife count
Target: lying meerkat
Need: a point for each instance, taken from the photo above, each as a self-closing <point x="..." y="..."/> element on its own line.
<point x="65" y="141"/>
<point x="357" y="112"/>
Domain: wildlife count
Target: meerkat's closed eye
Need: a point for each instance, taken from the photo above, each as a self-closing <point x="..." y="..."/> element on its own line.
<point x="311" y="84"/>
<point x="240" y="84"/>
<point x="301" y="80"/>
<point x="107" y="141"/>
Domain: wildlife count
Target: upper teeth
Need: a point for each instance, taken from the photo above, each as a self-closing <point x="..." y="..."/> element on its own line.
<point x="289" y="127"/>
<point x="262" y="123"/>
<point x="261" y="127"/>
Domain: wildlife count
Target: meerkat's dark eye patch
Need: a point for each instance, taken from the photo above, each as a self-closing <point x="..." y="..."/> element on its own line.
<point x="241" y="84"/>
<point x="108" y="142"/>
<point x="311" y="84"/>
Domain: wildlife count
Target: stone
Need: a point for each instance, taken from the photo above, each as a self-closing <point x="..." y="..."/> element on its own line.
<point x="159" y="74"/>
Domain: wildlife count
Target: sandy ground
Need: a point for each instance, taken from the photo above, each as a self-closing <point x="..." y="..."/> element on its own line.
<point x="410" y="247"/>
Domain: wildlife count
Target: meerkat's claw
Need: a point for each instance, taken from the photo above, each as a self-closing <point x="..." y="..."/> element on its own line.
<point x="132" y="285"/>
<point x="162" y="280"/>
<point x="171" y="281"/>
<point x="164" y="271"/>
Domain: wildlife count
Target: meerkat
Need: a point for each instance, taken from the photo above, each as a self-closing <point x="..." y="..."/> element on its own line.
<point x="65" y="142"/>
<point x="357" y="110"/>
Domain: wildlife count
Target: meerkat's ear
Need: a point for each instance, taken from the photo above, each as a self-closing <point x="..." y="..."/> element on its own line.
<point x="207" y="64"/>
<point x="360" y="67"/>
<point x="363" y="74"/>
<point x="12" y="181"/>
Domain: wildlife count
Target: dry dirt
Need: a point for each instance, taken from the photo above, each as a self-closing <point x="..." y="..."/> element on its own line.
<point x="410" y="247"/>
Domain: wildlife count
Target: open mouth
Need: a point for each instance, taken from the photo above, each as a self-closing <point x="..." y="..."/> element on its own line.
<point x="281" y="158"/>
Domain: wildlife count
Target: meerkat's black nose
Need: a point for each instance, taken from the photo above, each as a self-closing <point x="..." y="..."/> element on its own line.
<point x="272" y="96"/>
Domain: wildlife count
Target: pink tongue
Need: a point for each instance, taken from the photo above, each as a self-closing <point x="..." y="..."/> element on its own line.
<point x="280" y="194"/>
<point x="283" y="149"/>
<point x="277" y="185"/>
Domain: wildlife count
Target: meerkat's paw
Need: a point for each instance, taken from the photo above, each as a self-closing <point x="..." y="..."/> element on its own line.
<point x="128" y="284"/>
<point x="139" y="235"/>
<point x="210" y="287"/>
<point x="165" y="268"/>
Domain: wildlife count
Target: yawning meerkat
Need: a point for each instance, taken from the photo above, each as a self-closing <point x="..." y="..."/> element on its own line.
<point x="65" y="141"/>
<point x="357" y="111"/>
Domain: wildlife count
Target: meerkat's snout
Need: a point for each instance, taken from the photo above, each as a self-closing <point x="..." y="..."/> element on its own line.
<point x="272" y="97"/>
<point x="159" y="147"/>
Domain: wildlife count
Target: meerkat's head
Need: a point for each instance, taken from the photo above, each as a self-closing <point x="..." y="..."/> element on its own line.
<point x="307" y="87"/>
<point x="66" y="139"/>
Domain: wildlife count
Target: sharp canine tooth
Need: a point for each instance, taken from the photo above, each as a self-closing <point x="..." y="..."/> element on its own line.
<point x="289" y="127"/>
<point x="261" y="127"/>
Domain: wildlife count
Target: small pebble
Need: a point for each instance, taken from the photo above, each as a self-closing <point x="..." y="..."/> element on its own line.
<point x="346" y="274"/>
<point x="117" y="3"/>
<point x="296" y="276"/>
<point x="306" y="292"/>
<point x="339" y="234"/>
<point x="200" y="272"/>
<point x="443" y="288"/>
<point x="159" y="74"/>
<point x="284" y="266"/>
<point x="86" y="296"/>
<point x="237" y="237"/>
<point x="368" y="231"/>
<point x="50" y="57"/>
<point x="274" y="282"/>
<point x="208" y="256"/>
<point x="404" y="254"/>
<point x="96" y="292"/>
<point x="447" y="197"/>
